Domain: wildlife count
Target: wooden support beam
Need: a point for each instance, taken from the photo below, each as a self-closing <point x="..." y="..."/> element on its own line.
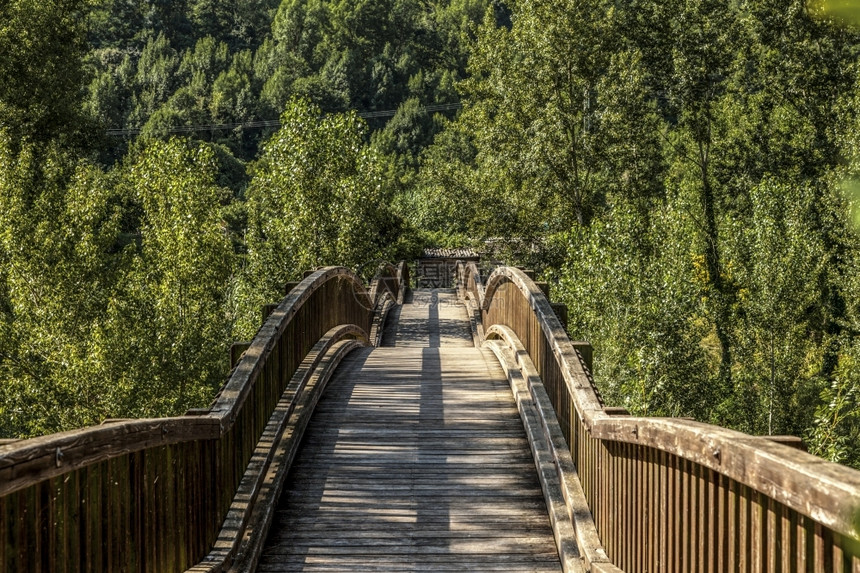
<point x="616" y="411"/>
<point x="586" y="352"/>
<point x="290" y="286"/>
<point x="790" y="441"/>
<point x="267" y="309"/>
<point x="236" y="351"/>
<point x="197" y="412"/>
<point x="544" y="287"/>
<point x="560" y="310"/>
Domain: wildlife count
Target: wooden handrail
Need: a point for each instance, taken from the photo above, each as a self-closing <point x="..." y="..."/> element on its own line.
<point x="469" y="282"/>
<point x="387" y="289"/>
<point x="247" y="523"/>
<point x="675" y="494"/>
<point x="151" y="495"/>
<point x="391" y="279"/>
<point x="471" y="289"/>
<point x="547" y="431"/>
<point x="402" y="280"/>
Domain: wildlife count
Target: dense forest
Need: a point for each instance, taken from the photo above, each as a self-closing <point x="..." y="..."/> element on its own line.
<point x="685" y="174"/>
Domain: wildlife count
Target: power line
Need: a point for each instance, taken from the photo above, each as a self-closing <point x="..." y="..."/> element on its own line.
<point x="275" y="122"/>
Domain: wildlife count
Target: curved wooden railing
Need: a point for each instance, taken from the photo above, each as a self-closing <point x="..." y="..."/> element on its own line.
<point x="391" y="279"/>
<point x="387" y="289"/>
<point x="174" y="493"/>
<point x="670" y="494"/>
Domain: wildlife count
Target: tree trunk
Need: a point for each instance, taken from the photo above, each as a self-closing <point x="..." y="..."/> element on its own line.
<point x="715" y="277"/>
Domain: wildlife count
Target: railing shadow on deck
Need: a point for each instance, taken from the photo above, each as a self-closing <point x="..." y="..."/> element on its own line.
<point x="170" y="494"/>
<point x="311" y="498"/>
<point x="665" y="494"/>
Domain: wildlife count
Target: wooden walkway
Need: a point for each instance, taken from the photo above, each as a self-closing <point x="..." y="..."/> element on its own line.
<point x="415" y="460"/>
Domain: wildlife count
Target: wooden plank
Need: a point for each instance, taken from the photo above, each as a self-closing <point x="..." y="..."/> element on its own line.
<point x="414" y="547"/>
<point x="14" y="532"/>
<point x="399" y="564"/>
<point x="108" y="522"/>
<point x="424" y="481"/>
<point x="473" y="523"/>
<point x="433" y="319"/>
<point x="490" y="487"/>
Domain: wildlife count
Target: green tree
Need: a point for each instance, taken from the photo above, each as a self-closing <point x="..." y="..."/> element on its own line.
<point x="42" y="44"/>
<point x="778" y="288"/>
<point x="166" y="334"/>
<point x="155" y="80"/>
<point x="232" y="91"/>
<point x="241" y="24"/>
<point x="110" y="89"/>
<point x="703" y="54"/>
<point x="318" y="196"/>
<point x="409" y="131"/>
<point x="443" y="199"/>
<point x="629" y="283"/>
<point x="60" y="222"/>
<point x="556" y="121"/>
<point x="835" y="434"/>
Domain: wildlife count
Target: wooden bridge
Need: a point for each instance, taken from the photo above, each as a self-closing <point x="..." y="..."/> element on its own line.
<point x="382" y="429"/>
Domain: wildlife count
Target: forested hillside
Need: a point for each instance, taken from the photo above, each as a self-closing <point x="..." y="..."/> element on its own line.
<point x="128" y="263"/>
<point x="201" y="64"/>
<point x="681" y="172"/>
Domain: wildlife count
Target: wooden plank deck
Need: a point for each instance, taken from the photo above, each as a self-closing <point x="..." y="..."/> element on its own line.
<point x="429" y="318"/>
<point x="415" y="460"/>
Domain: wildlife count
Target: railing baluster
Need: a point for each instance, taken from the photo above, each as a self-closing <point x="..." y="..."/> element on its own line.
<point x="674" y="525"/>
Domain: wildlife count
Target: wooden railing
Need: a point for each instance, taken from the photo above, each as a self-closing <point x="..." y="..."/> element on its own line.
<point x="391" y="279"/>
<point x="153" y="495"/>
<point x="669" y="494"/>
<point x="387" y="289"/>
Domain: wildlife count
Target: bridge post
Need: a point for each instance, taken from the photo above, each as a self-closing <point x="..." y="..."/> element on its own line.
<point x="266" y="310"/>
<point x="586" y="352"/>
<point x="560" y="310"/>
<point x="790" y="441"/>
<point x="544" y="287"/>
<point x="616" y="411"/>
<point x="236" y="351"/>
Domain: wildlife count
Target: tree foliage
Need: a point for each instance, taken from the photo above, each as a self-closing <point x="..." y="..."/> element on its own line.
<point x="677" y="167"/>
<point x="41" y="45"/>
<point x="319" y="196"/>
<point x="59" y="227"/>
<point x="97" y="322"/>
<point x="167" y="331"/>
<point x="145" y="65"/>
<point x="685" y="173"/>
